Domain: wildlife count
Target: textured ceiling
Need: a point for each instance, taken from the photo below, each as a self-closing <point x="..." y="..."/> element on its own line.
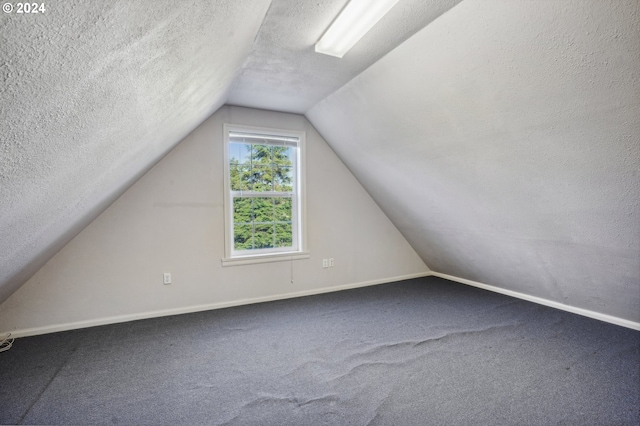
<point x="95" y="92"/>
<point x="503" y="140"/>
<point x="92" y="94"/>
<point x="284" y="73"/>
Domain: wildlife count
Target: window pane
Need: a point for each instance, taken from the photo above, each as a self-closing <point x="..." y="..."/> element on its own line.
<point x="239" y="153"/>
<point x="283" y="209"/>
<point x="242" y="209"/>
<point x="261" y="154"/>
<point x="263" y="236"/>
<point x="242" y="237"/>
<point x="283" y="235"/>
<point x="282" y="155"/>
<point x="240" y="177"/>
<point x="263" y="209"/>
<point x="262" y="178"/>
<point x="283" y="178"/>
<point x="260" y="219"/>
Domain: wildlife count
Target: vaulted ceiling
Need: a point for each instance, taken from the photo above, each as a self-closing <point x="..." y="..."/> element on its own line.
<point x="501" y="136"/>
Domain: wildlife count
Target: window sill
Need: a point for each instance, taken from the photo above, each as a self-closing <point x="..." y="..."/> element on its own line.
<point x="265" y="258"/>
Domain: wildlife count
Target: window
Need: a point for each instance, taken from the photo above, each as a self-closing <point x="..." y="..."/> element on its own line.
<point x="263" y="194"/>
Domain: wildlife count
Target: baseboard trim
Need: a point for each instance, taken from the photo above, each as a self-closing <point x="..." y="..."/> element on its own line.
<point x="580" y="311"/>
<point x="199" y="308"/>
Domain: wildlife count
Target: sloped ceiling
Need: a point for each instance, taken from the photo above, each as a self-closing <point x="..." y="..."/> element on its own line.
<point x="92" y="94"/>
<point x="503" y="140"/>
<point x="283" y="72"/>
<point x="95" y="92"/>
<point x="500" y="136"/>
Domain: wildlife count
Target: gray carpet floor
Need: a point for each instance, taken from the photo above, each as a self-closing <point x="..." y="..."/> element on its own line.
<point x="418" y="352"/>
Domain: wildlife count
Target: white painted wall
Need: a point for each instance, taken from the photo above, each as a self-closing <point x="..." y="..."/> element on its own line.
<point x="171" y="220"/>
<point x="503" y="140"/>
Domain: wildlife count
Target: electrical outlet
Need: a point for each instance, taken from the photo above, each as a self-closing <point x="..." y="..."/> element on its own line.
<point x="166" y="278"/>
<point x="331" y="262"/>
<point x="325" y="263"/>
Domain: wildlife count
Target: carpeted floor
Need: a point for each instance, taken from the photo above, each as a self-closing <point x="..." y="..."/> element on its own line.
<point x="418" y="352"/>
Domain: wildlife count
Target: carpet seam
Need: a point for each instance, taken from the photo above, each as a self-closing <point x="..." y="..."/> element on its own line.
<point x="44" y="389"/>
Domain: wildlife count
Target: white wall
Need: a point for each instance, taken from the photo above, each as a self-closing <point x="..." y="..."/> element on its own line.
<point x="503" y="140"/>
<point x="171" y="220"/>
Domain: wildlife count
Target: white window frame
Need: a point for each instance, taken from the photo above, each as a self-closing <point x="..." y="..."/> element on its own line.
<point x="299" y="230"/>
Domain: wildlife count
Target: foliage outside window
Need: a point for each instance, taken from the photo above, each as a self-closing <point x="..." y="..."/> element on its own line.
<point x="263" y="192"/>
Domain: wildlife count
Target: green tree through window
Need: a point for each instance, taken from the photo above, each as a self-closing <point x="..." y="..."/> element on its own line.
<point x="262" y="184"/>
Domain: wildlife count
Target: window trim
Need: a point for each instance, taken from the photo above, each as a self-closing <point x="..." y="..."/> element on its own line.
<point x="231" y="257"/>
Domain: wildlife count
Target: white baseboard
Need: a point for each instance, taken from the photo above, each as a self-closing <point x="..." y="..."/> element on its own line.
<point x="541" y="301"/>
<point x="219" y="305"/>
<point x="198" y="308"/>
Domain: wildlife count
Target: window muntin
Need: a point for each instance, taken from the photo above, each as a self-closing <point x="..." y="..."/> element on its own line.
<point x="264" y="191"/>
